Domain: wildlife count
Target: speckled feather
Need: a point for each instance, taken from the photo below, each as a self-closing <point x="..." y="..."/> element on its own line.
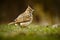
<point x="25" y="18"/>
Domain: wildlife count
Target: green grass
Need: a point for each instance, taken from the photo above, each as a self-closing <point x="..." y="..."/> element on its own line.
<point x="32" y="32"/>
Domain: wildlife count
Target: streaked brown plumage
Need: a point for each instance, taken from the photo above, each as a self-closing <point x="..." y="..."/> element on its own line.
<point x="25" y="18"/>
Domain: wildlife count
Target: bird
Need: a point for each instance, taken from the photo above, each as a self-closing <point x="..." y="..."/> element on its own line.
<point x="25" y="18"/>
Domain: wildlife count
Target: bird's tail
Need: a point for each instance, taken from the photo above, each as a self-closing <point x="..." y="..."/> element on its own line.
<point x="11" y="23"/>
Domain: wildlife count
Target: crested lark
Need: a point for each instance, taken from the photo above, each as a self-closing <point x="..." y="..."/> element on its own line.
<point x="25" y="18"/>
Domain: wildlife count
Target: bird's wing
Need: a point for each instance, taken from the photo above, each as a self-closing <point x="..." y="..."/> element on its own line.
<point x="19" y="18"/>
<point x="22" y="18"/>
<point x="26" y="18"/>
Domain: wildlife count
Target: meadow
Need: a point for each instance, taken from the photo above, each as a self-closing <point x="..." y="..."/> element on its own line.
<point x="32" y="32"/>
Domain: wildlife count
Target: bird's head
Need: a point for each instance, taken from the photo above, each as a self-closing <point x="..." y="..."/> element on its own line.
<point x="29" y="10"/>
